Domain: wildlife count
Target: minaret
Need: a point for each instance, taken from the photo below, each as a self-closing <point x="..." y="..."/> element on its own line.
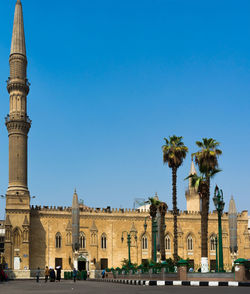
<point x="75" y="229"/>
<point x="192" y="172"/>
<point x="17" y="121"/>
<point x="232" y="219"/>
<point x="75" y="222"/>
<point x="18" y="125"/>
<point x="192" y="197"/>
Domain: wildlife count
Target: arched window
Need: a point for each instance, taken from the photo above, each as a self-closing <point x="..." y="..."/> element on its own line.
<point x="167" y="243"/>
<point x="58" y="240"/>
<point x="190" y="243"/>
<point x="82" y="241"/>
<point x="212" y="243"/>
<point x="17" y="238"/>
<point x="103" y="241"/>
<point x="144" y="242"/>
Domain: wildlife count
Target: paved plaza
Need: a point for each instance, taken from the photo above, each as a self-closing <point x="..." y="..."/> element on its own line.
<point x="89" y="287"/>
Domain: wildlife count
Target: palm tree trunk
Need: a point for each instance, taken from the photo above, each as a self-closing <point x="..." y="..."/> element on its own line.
<point x="162" y="208"/>
<point x="204" y="225"/>
<point x="175" y="212"/>
<point x="153" y="211"/>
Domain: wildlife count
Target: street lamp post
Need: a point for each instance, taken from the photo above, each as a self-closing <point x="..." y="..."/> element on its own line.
<point x="154" y="233"/>
<point x="219" y="205"/>
<point x="216" y="250"/>
<point x="131" y="233"/>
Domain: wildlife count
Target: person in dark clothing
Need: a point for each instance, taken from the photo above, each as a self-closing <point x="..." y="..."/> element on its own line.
<point x="74" y="274"/>
<point x="52" y="275"/>
<point x="3" y="276"/>
<point x="38" y="274"/>
<point x="58" y="274"/>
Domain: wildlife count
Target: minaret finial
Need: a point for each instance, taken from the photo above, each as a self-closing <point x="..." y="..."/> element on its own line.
<point x="192" y="169"/>
<point x="192" y="172"/>
<point x="18" y="38"/>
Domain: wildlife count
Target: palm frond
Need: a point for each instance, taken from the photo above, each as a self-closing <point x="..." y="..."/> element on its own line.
<point x="214" y="172"/>
<point x="199" y="144"/>
<point x="174" y="151"/>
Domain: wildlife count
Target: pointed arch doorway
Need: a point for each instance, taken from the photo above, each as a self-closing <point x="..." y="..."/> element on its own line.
<point x="82" y="263"/>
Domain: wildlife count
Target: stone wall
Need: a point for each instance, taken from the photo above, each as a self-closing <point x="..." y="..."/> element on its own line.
<point x="49" y="221"/>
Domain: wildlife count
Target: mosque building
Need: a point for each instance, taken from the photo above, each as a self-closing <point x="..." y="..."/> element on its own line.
<point x="84" y="237"/>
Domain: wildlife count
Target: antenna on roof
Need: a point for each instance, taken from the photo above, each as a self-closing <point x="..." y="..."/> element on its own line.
<point x="139" y="202"/>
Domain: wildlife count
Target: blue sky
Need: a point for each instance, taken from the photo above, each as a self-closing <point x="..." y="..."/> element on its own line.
<point x="111" y="79"/>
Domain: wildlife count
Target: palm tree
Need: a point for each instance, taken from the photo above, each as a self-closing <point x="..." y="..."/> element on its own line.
<point x="207" y="160"/>
<point x="174" y="152"/>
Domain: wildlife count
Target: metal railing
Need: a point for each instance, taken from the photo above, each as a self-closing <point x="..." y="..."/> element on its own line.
<point x="18" y="117"/>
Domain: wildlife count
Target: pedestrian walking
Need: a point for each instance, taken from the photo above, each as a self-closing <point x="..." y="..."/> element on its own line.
<point x="52" y="275"/>
<point x="74" y="274"/>
<point x="58" y="273"/>
<point x="103" y="274"/>
<point x="38" y="274"/>
<point x="3" y="275"/>
<point x="46" y="274"/>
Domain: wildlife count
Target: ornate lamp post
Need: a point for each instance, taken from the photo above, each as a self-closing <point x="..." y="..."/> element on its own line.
<point x="154" y="234"/>
<point x="132" y="233"/>
<point x="216" y="250"/>
<point x="219" y="205"/>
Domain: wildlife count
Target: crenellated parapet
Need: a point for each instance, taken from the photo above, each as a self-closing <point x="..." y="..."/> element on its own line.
<point x="50" y="208"/>
<point x="123" y="212"/>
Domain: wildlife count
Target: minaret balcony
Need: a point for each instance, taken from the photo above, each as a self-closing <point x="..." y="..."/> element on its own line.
<point x="18" y="84"/>
<point x="18" y="117"/>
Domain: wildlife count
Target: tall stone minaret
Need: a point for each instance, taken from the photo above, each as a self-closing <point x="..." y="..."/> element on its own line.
<point x="18" y="125"/>
<point x="75" y="223"/>
<point x="232" y="220"/>
<point x="75" y="229"/>
<point x="17" y="121"/>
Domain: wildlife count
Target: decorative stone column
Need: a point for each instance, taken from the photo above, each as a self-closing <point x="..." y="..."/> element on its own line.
<point x="8" y="242"/>
<point x="25" y="245"/>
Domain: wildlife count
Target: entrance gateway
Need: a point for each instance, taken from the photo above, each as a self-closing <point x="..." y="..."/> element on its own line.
<point x="81" y="262"/>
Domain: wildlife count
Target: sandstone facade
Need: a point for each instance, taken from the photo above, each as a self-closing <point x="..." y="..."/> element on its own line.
<point x="97" y="225"/>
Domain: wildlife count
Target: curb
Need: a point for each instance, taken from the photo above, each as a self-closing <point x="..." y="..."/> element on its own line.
<point x="177" y="283"/>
